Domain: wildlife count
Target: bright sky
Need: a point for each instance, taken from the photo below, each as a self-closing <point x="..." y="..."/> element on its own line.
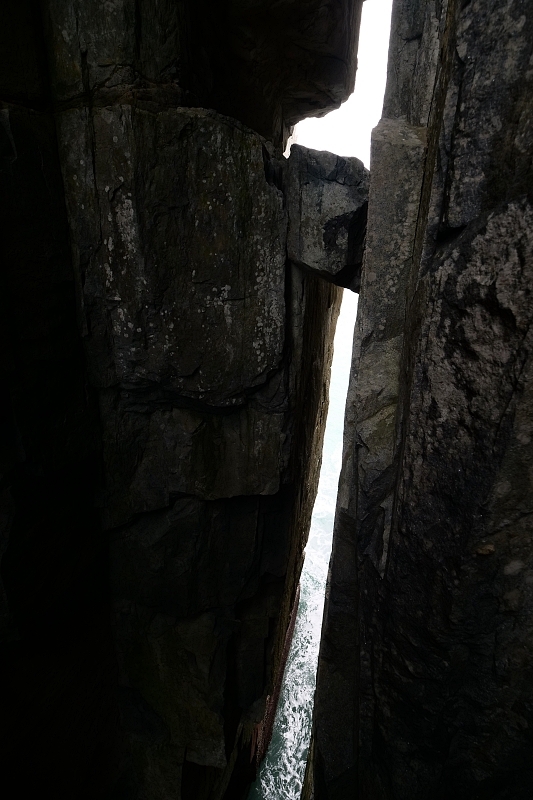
<point x="347" y="130"/>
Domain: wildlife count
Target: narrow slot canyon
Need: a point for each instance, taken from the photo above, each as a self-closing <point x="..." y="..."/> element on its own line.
<point x="282" y="771"/>
<point x="189" y="608"/>
<point x="345" y="132"/>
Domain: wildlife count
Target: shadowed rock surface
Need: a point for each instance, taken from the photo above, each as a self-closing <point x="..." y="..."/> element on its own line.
<point x="164" y="383"/>
<point x="426" y="650"/>
<point x="267" y="63"/>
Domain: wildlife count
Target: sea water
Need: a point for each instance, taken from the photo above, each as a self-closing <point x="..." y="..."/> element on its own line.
<point x="282" y="772"/>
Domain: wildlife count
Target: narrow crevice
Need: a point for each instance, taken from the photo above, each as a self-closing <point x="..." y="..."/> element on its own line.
<point x="281" y="773"/>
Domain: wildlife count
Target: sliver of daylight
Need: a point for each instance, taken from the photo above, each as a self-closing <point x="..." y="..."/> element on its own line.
<point x="347" y="133"/>
<point x="282" y="771"/>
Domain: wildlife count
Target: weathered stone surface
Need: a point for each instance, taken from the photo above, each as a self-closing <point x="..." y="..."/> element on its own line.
<point x="327" y="200"/>
<point x="397" y="149"/>
<point x="203" y="593"/>
<point x="179" y="235"/>
<point x="183" y="274"/>
<point x="187" y="244"/>
<point x="427" y="634"/>
<point x="266" y="64"/>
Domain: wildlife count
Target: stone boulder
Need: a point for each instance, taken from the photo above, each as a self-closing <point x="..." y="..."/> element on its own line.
<point x="327" y="201"/>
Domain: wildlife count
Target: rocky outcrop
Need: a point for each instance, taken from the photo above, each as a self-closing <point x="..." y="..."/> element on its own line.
<point x="424" y="662"/>
<point x="165" y="383"/>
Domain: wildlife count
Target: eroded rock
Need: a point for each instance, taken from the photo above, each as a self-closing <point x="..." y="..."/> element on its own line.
<point x="179" y="233"/>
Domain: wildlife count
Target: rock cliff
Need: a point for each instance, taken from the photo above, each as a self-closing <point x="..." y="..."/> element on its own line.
<point x="165" y="366"/>
<point x="424" y="683"/>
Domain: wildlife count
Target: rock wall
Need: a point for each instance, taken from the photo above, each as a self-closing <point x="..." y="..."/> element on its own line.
<point x="424" y="682"/>
<point x="164" y="377"/>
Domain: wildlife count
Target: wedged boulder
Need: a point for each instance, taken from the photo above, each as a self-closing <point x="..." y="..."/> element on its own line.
<point x="327" y="202"/>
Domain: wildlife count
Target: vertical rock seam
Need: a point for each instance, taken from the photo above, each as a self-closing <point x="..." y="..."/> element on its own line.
<point x="424" y="682"/>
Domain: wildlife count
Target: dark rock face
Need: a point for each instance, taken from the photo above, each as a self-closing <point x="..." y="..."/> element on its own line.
<point x="57" y="662"/>
<point x="164" y="378"/>
<point x="265" y="63"/>
<point x="426" y="652"/>
<point x="183" y="273"/>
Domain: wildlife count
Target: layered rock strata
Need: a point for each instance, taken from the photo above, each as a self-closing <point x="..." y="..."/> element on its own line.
<point x="424" y="680"/>
<point x="165" y="377"/>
